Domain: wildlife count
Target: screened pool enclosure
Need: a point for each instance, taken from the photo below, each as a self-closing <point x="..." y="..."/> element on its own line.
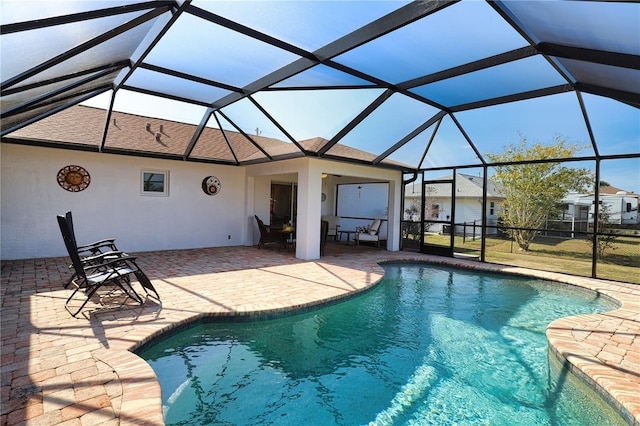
<point x="428" y="88"/>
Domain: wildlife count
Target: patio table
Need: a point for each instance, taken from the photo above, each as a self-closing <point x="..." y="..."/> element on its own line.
<point x="348" y="232"/>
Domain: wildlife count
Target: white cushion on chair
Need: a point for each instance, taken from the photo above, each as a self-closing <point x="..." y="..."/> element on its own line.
<point x="375" y="227"/>
<point x="372" y="233"/>
<point x="366" y="237"/>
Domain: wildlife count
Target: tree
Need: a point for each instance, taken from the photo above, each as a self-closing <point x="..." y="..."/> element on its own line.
<point x="432" y="207"/>
<point x="533" y="191"/>
<point x="431" y="211"/>
<point x="411" y="230"/>
<point x="606" y="241"/>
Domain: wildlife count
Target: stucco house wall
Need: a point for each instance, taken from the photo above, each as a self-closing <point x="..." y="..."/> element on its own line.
<point x="112" y="205"/>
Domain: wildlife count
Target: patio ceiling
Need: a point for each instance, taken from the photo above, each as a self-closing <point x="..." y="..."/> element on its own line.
<point x="407" y="85"/>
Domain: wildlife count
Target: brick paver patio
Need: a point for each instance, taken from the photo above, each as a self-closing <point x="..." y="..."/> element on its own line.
<point x="56" y="369"/>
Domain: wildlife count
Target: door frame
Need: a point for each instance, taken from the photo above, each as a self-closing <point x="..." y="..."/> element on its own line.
<point x="440" y="250"/>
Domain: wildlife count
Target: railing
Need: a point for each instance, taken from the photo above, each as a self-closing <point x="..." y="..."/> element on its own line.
<point x="616" y="254"/>
<point x="476" y="224"/>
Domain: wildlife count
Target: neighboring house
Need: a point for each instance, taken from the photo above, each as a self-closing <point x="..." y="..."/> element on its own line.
<point x="468" y="203"/>
<point x="622" y="206"/>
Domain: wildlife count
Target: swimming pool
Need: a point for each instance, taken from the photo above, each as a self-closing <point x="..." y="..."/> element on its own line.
<point x="428" y="345"/>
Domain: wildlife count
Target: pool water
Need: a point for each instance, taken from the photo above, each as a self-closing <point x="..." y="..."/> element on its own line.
<point x="428" y="346"/>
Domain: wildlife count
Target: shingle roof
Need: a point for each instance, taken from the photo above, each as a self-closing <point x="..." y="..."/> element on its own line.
<point x="81" y="126"/>
<point x="467" y="186"/>
<point x="612" y="190"/>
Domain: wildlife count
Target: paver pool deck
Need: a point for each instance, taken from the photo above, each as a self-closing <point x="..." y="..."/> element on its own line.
<point x="60" y="370"/>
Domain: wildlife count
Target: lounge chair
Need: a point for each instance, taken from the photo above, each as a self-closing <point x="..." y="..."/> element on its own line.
<point x="270" y="236"/>
<point x="106" y="249"/>
<point x="102" y="270"/>
<point x="87" y="252"/>
<point x="371" y="234"/>
<point x="96" y="247"/>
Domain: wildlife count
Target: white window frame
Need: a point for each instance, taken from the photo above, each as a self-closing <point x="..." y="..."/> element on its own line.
<point x="165" y="188"/>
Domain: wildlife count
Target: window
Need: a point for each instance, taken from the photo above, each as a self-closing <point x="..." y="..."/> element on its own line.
<point x="628" y="207"/>
<point x="492" y="208"/>
<point x="155" y="182"/>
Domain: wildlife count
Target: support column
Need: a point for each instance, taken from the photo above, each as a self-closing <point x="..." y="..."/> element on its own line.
<point x="394" y="215"/>
<point x="309" y="212"/>
<point x="249" y="208"/>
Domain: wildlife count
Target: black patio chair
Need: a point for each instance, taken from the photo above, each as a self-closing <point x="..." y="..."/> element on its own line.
<point x="111" y="269"/>
<point x="270" y="236"/>
<point x="106" y="249"/>
<point x="92" y="249"/>
<point x="324" y="232"/>
<point x="89" y="252"/>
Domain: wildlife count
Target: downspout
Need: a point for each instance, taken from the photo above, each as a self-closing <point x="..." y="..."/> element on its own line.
<point x="408" y="181"/>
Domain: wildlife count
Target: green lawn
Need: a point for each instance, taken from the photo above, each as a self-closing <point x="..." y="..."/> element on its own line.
<point x="571" y="256"/>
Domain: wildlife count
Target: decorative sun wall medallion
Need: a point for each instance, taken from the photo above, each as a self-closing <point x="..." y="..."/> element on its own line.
<point x="74" y="178"/>
<point x="211" y="185"/>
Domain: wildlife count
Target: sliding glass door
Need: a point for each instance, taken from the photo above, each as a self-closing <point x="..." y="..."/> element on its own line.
<point x="283" y="204"/>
